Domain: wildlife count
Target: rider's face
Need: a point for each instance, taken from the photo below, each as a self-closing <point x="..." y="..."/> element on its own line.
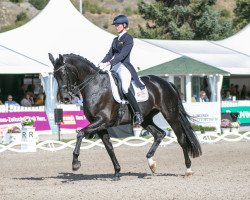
<point x="119" y="27"/>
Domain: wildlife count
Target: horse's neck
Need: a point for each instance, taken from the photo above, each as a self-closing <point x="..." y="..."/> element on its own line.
<point x="99" y="84"/>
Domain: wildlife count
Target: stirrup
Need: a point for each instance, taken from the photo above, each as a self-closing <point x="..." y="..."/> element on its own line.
<point x="138" y="118"/>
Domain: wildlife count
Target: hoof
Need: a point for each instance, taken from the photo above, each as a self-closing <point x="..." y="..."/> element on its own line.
<point x="153" y="167"/>
<point x="76" y="166"/>
<point x="152" y="164"/>
<point x="117" y="177"/>
<point x="189" y="173"/>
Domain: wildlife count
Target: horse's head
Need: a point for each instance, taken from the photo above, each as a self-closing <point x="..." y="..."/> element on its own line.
<point x="63" y="75"/>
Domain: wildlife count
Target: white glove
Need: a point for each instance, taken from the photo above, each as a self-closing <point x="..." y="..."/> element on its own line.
<point x="104" y="66"/>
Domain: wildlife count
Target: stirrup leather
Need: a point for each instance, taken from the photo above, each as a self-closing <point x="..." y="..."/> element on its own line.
<point x="138" y="118"/>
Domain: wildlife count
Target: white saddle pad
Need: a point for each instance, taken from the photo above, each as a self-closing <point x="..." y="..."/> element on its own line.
<point x="140" y="95"/>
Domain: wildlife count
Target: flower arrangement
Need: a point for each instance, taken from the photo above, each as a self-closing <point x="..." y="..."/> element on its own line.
<point x="27" y="121"/>
<point x="14" y="129"/>
<point x="235" y="124"/>
<point x="225" y="123"/>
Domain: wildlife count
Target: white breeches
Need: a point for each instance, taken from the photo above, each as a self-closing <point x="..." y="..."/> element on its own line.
<point x="124" y="75"/>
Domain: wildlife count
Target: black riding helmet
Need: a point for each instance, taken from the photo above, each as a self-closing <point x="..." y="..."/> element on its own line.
<point x="120" y="19"/>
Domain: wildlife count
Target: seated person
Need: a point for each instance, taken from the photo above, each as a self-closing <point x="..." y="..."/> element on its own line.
<point x="228" y="96"/>
<point x="203" y="97"/>
<point x="27" y="100"/>
<point x="39" y="100"/>
<point x="10" y="101"/>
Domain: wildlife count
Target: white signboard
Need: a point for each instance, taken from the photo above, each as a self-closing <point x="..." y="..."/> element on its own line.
<point x="203" y="113"/>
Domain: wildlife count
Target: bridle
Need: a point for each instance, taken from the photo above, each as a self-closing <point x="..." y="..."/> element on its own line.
<point x="74" y="89"/>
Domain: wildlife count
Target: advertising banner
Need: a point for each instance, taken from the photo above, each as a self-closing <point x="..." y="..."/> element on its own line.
<point x="205" y="113"/>
<point x="244" y="113"/>
<point x="71" y="120"/>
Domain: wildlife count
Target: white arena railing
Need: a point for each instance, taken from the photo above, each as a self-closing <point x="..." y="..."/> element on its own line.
<point x="54" y="145"/>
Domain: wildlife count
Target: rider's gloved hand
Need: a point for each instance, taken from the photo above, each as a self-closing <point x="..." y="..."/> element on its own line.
<point x="104" y="66"/>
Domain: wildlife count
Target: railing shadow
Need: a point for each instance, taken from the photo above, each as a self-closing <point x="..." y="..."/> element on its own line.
<point x="66" y="177"/>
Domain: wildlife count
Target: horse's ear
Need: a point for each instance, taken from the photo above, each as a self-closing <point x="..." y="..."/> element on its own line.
<point x="51" y="58"/>
<point x="61" y="58"/>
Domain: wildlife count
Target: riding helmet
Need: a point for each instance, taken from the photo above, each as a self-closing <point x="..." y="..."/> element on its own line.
<point x="120" y="19"/>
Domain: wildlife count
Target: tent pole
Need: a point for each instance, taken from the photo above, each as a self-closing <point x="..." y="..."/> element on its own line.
<point x="188" y="88"/>
<point x="80" y="6"/>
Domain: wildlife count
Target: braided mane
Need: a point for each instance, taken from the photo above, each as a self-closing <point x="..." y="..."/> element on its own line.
<point x="77" y="58"/>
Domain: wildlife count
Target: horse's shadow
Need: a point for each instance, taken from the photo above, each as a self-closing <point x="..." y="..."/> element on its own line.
<point x="66" y="177"/>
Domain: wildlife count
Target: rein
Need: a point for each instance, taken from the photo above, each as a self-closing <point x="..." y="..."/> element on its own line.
<point x="86" y="82"/>
<point x="75" y="89"/>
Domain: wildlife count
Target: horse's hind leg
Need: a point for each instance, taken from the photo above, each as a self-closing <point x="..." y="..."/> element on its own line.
<point x="182" y="140"/>
<point x="109" y="147"/>
<point x="158" y="135"/>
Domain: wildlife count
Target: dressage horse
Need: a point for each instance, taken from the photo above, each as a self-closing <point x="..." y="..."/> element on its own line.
<point x="76" y="74"/>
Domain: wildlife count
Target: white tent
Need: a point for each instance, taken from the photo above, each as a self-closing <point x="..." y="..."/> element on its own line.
<point x="238" y="42"/>
<point x="61" y="29"/>
<point x="12" y="62"/>
<point x="210" y="53"/>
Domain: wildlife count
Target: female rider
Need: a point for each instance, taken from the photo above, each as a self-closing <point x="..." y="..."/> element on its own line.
<point x="118" y="58"/>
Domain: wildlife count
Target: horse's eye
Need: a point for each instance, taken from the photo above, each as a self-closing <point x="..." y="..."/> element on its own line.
<point x="64" y="87"/>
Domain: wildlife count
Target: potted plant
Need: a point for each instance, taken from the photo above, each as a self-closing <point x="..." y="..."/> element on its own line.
<point x="235" y="127"/>
<point x="137" y="129"/>
<point x="225" y="125"/>
<point x="29" y="135"/>
<point x="12" y="135"/>
<point x="169" y="132"/>
<point x="27" y="121"/>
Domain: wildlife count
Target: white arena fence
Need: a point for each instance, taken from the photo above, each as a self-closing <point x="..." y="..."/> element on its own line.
<point x="54" y="145"/>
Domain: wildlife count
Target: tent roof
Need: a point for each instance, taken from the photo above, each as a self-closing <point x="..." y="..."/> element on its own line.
<point x="238" y="42"/>
<point x="12" y="62"/>
<point x="59" y="28"/>
<point x="183" y="66"/>
<point x="209" y="53"/>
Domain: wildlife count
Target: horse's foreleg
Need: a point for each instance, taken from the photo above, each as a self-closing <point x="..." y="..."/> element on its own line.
<point x="76" y="164"/>
<point x="158" y="135"/>
<point x="109" y="147"/>
<point x="85" y="132"/>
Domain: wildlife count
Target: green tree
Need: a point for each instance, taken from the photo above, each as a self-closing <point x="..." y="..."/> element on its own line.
<point x="184" y="20"/>
<point x="242" y="14"/>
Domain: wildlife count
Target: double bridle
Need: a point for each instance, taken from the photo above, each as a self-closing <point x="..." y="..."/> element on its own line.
<point x="74" y="89"/>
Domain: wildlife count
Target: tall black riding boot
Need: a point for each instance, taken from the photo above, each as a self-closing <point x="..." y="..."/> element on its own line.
<point x="137" y="112"/>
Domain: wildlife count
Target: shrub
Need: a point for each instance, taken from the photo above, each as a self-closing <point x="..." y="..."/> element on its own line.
<point x="39" y="4"/>
<point x="202" y="129"/>
<point x="16" y="1"/>
<point x="22" y="17"/>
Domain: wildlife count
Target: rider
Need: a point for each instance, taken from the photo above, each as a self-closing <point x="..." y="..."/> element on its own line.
<point x="118" y="58"/>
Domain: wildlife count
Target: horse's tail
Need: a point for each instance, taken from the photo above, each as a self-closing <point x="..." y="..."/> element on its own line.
<point x="194" y="147"/>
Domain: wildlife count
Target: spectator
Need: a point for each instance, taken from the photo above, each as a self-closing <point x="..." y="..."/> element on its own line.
<point x="228" y="96"/>
<point x="237" y="93"/>
<point x="78" y="100"/>
<point x="1" y="103"/>
<point x="232" y="89"/>
<point x="27" y="100"/>
<point x="10" y="101"/>
<point x="203" y="96"/>
<point x="243" y="93"/>
<point x="182" y="98"/>
<point x="39" y="100"/>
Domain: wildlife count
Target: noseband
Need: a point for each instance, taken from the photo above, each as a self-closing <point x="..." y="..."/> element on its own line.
<point x="73" y="89"/>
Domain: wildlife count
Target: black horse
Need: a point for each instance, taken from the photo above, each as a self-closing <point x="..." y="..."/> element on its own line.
<point x="75" y="73"/>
